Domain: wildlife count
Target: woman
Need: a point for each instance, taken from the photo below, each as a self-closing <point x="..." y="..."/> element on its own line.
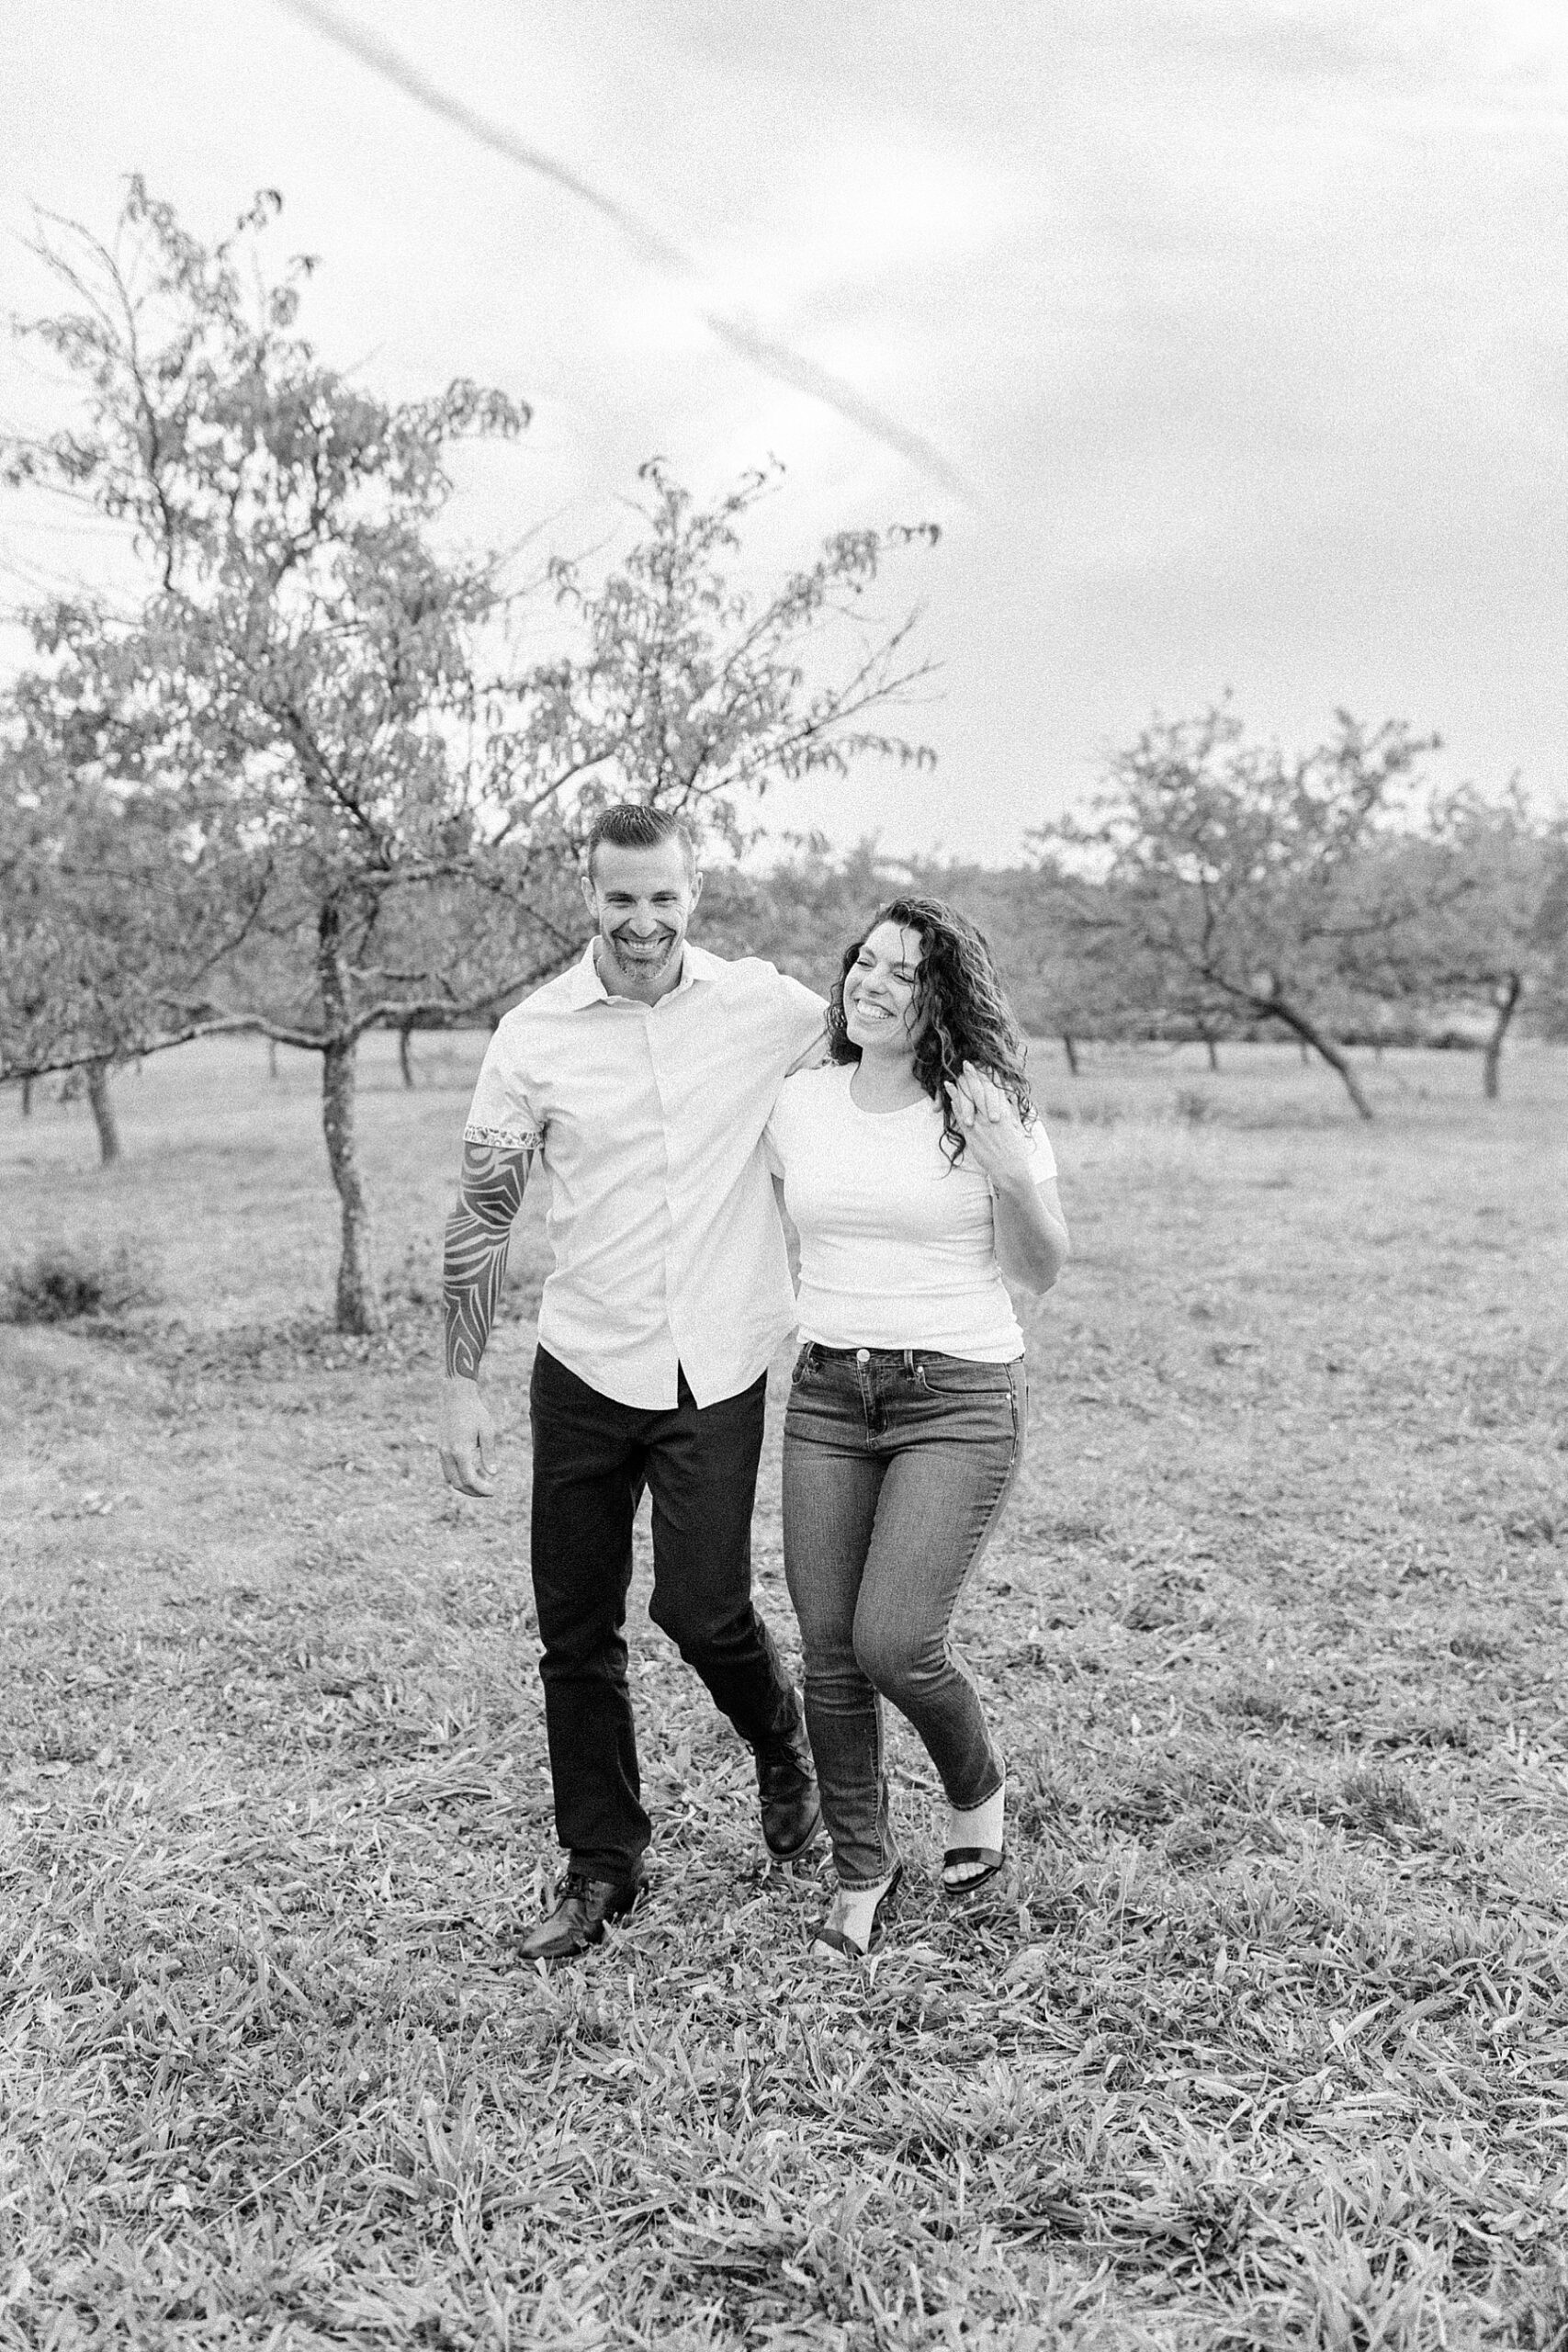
<point x="917" y="1178"/>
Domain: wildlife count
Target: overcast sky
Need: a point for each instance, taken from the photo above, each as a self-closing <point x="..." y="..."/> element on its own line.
<point x="1242" y="323"/>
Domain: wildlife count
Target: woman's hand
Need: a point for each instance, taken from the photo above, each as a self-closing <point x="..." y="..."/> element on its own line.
<point x="992" y="1130"/>
<point x="1030" y="1231"/>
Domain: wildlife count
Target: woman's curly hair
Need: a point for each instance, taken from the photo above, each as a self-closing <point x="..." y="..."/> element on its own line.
<point x="963" y="1016"/>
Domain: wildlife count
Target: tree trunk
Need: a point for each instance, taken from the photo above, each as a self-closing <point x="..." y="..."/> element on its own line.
<point x="1312" y="1038"/>
<point x="358" y="1309"/>
<point x="405" y="1058"/>
<point x="1209" y="1048"/>
<point x="1071" y="1051"/>
<point x="272" y="1058"/>
<point x="103" y="1113"/>
<point x="27" y="1098"/>
<point x="1509" y="996"/>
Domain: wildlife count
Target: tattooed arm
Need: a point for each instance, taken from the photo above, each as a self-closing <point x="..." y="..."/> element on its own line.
<point x="489" y="1194"/>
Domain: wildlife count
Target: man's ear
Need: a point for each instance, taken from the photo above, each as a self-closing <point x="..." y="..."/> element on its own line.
<point x="590" y="896"/>
<point x="697" y="889"/>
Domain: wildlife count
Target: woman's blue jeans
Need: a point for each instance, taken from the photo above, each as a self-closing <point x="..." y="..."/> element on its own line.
<point x="896" y="1463"/>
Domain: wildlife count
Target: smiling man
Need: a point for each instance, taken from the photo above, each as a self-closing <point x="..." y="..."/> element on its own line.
<point x="643" y="1079"/>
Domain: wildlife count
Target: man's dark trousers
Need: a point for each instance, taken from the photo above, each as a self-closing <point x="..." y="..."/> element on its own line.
<point x="591" y="1460"/>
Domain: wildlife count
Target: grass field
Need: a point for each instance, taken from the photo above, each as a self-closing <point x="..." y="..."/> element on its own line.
<point x="1262" y="2041"/>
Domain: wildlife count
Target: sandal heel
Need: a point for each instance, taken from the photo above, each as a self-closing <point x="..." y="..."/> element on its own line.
<point x="846" y="1946"/>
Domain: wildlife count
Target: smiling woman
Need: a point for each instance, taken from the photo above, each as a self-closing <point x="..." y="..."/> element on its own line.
<point x="917" y="1177"/>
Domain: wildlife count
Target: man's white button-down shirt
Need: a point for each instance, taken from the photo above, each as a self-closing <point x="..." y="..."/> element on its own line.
<point x="648" y="1120"/>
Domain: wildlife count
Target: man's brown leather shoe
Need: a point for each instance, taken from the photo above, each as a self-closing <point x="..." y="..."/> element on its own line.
<point x="577" y="1918"/>
<point x="786" y="1781"/>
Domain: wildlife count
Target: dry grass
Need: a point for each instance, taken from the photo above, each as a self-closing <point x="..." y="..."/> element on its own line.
<point x="1264" y="2041"/>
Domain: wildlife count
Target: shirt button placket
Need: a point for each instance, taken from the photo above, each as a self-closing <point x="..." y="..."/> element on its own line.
<point x="652" y="1031"/>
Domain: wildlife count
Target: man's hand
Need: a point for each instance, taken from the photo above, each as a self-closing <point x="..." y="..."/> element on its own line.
<point x="467" y="1438"/>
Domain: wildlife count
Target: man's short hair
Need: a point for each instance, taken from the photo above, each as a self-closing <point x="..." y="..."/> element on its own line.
<point x="630" y="825"/>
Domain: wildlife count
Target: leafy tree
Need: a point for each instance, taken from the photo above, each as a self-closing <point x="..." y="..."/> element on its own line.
<point x="1060" y="951"/>
<point x="294" y="699"/>
<point x="316" y="704"/>
<point x="1485" y="880"/>
<point x="1223" y="878"/>
<point x="116" y="908"/>
<point x="1551" y="989"/>
<point x="696" y="693"/>
<point x="800" y="910"/>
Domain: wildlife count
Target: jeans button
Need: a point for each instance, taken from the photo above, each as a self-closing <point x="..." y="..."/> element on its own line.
<point x="863" y="1355"/>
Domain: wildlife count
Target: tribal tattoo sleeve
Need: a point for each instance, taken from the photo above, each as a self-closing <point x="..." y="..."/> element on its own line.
<point x="489" y="1194"/>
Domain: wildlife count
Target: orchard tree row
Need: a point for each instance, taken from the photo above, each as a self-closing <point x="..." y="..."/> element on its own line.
<point x="1226" y="890"/>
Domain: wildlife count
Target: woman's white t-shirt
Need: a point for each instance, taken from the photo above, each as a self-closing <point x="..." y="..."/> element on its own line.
<point x="897" y="1246"/>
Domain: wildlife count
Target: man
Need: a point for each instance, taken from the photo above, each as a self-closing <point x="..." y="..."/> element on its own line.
<point x="642" y="1077"/>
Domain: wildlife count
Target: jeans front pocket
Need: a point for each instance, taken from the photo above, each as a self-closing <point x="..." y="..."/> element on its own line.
<point x="960" y="1378"/>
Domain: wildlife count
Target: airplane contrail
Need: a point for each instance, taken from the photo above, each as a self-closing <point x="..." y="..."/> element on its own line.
<point x="739" y="333"/>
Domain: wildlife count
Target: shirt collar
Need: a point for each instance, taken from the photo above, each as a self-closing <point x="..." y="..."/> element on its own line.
<point x="587" y="988"/>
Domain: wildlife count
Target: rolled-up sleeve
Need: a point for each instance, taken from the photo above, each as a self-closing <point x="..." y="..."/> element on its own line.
<point x="501" y="1113"/>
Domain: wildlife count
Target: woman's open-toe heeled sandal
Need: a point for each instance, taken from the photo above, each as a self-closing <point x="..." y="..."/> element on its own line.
<point x="990" y="1858"/>
<point x="846" y="1946"/>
